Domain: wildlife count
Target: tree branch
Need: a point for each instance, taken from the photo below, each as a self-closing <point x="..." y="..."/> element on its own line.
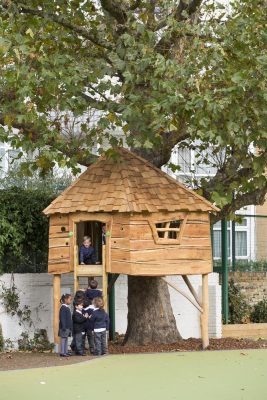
<point x="36" y="134"/>
<point x="24" y="9"/>
<point x="257" y="197"/>
<point x="160" y="156"/>
<point x="135" y="5"/>
<point x="189" y="8"/>
<point x="115" y="9"/>
<point x="101" y="105"/>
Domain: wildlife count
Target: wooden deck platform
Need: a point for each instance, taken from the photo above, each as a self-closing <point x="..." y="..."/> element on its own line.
<point x="89" y="270"/>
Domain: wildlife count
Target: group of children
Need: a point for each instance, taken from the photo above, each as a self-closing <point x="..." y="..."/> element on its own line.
<point x="89" y="320"/>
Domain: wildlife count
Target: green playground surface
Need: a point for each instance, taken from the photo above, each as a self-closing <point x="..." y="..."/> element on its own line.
<point x="209" y="375"/>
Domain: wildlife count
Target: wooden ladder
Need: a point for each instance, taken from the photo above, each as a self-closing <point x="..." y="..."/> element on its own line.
<point x="90" y="271"/>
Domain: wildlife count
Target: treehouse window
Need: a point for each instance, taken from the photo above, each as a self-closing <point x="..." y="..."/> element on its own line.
<point x="168" y="232"/>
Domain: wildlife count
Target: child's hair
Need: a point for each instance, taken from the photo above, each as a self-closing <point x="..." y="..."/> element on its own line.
<point x="79" y="297"/>
<point x="93" y="284"/>
<point x="98" y="302"/>
<point x="64" y="297"/>
<point x="78" y="303"/>
<point x="79" y="293"/>
<point x="86" y="302"/>
<point x="86" y="238"/>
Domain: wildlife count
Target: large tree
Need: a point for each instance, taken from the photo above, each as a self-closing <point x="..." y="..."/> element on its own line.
<point x="163" y="73"/>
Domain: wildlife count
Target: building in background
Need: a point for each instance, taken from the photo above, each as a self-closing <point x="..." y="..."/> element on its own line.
<point x="194" y="167"/>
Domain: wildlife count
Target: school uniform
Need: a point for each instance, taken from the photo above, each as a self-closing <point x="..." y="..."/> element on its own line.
<point x="87" y="255"/>
<point x="79" y="296"/>
<point x="100" y="321"/>
<point x="65" y="327"/>
<point x="91" y="294"/>
<point x="89" y="328"/>
<point x="78" y="330"/>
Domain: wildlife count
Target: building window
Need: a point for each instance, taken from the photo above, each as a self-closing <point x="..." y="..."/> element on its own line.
<point x="217" y="240"/>
<point x="241" y="244"/>
<point x="168" y="231"/>
<point x="241" y="240"/>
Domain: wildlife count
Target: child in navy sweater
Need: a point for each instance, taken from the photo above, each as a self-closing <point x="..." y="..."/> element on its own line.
<point x="65" y="324"/>
<point x="78" y="298"/>
<point x="79" y="327"/>
<point x="92" y="291"/>
<point x="100" y="322"/>
<point x="87" y="252"/>
<point x="88" y="308"/>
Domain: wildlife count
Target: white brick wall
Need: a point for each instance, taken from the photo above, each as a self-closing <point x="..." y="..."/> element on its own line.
<point x="36" y="289"/>
<point x="186" y="315"/>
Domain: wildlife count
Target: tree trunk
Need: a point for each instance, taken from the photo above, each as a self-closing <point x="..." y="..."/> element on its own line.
<point x="150" y="315"/>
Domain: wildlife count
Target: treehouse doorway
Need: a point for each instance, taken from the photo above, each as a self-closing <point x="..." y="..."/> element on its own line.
<point x="93" y="229"/>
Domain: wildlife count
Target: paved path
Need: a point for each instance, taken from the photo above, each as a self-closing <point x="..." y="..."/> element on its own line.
<point x="211" y="375"/>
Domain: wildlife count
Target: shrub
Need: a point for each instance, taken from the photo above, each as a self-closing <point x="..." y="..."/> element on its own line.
<point x="23" y="226"/>
<point x="259" y="312"/>
<point x="39" y="342"/>
<point x="239" y="309"/>
<point x="24" y="230"/>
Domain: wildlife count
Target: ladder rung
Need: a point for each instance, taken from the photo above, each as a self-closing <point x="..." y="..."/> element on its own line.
<point x="89" y="270"/>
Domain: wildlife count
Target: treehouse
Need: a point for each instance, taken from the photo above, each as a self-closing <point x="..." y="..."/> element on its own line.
<point x="154" y="226"/>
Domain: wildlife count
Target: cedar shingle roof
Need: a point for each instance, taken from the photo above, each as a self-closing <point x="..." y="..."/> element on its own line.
<point x="131" y="184"/>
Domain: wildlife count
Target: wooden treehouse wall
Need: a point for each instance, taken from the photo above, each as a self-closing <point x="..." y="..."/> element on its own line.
<point x="60" y="243"/>
<point x="134" y="251"/>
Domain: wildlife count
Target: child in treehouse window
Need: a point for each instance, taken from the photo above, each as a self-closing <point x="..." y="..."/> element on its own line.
<point x="87" y="252"/>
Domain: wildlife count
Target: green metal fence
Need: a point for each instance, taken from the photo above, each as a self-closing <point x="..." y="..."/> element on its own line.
<point x="239" y="246"/>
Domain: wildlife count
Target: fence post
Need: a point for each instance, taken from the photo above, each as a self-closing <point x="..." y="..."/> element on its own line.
<point x="233" y="245"/>
<point x="224" y="271"/>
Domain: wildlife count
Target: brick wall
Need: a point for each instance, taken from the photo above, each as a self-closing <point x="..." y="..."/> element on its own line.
<point x="253" y="285"/>
<point x="36" y="290"/>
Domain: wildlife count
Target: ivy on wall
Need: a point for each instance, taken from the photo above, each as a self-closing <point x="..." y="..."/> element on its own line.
<point x="10" y="299"/>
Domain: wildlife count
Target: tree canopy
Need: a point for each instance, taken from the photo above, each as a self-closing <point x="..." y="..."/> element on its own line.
<point x="190" y="73"/>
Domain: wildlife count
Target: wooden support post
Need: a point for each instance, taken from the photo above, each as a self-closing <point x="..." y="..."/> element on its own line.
<point x="76" y="263"/>
<point x="174" y="286"/>
<point x="204" y="318"/>
<point x="192" y="290"/>
<point x="57" y="295"/>
<point x="104" y="279"/>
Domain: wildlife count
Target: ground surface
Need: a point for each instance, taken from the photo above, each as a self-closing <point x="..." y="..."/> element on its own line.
<point x="21" y="360"/>
<point x="190" y="345"/>
<point x="209" y="375"/>
<point x="18" y="360"/>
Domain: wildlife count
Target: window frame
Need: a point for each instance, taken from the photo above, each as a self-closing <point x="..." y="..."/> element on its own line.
<point x="158" y="240"/>
<point x="238" y="228"/>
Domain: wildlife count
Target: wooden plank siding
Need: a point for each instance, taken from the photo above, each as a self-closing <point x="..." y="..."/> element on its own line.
<point x="134" y="251"/>
<point x="131" y="248"/>
<point x="59" y="260"/>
